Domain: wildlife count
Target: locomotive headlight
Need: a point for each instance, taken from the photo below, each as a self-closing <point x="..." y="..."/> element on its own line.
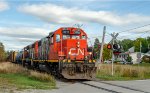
<point x="78" y="44"/>
<point x="69" y="53"/>
<point x="86" y="57"/>
<point x="90" y="53"/>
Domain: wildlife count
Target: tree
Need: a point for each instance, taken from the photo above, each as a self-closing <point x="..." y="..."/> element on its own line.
<point x="144" y="45"/>
<point x="148" y="41"/>
<point x="146" y="59"/>
<point x="129" y="59"/>
<point x="107" y="53"/>
<point x="96" y="48"/>
<point x="126" y="44"/>
<point x="2" y="52"/>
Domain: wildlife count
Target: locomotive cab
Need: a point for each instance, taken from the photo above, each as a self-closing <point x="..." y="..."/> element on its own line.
<point x="71" y="44"/>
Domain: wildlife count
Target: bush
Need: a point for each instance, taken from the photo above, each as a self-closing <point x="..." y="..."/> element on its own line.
<point x="7" y="67"/>
<point x="124" y="71"/>
<point x="41" y="76"/>
<point x="129" y="59"/>
<point x="146" y="59"/>
<point x="134" y="73"/>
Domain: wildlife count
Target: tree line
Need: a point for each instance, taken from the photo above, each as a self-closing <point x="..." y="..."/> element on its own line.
<point x="128" y="43"/>
<point x="2" y="52"/>
<point x="125" y="45"/>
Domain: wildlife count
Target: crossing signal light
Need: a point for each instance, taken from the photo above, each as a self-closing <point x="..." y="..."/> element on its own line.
<point x="116" y="49"/>
<point x="116" y="46"/>
<point x="99" y="46"/>
<point x="109" y="46"/>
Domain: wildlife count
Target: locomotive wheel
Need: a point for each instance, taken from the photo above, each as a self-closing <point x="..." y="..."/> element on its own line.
<point x="29" y="65"/>
<point x="23" y="63"/>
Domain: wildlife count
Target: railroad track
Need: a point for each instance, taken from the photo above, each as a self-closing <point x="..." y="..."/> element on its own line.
<point x="112" y="88"/>
<point x="87" y="83"/>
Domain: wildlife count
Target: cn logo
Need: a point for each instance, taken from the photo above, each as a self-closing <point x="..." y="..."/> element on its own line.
<point x="79" y="51"/>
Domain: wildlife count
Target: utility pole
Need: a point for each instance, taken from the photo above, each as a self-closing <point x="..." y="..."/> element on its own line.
<point x="101" y="50"/>
<point x="140" y="46"/>
<point x="102" y="44"/>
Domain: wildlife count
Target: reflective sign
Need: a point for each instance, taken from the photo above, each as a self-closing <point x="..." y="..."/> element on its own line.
<point x="139" y="55"/>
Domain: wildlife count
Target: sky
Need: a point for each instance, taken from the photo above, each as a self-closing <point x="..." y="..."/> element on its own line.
<point x="22" y="22"/>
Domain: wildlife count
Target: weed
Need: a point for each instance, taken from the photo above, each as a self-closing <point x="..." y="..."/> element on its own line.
<point x="125" y="72"/>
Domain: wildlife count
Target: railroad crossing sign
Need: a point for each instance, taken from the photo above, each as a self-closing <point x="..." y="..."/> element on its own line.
<point x="138" y="55"/>
<point x="138" y="60"/>
<point x="114" y="35"/>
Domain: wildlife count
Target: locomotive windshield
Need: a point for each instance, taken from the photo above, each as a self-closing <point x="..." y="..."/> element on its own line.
<point x="83" y="37"/>
<point x="75" y="37"/>
<point x="71" y="37"/>
<point x="66" y="36"/>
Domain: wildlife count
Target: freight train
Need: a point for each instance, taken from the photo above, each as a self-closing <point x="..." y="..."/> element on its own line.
<point x="64" y="52"/>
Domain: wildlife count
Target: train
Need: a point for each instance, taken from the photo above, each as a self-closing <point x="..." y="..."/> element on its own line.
<point x="64" y="52"/>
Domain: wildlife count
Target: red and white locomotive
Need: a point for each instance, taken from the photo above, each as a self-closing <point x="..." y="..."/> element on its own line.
<point x="64" y="52"/>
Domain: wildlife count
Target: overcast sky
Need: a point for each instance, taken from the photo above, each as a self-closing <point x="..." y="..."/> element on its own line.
<point x="24" y="21"/>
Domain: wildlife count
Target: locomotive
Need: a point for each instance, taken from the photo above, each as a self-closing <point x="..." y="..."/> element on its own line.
<point x="64" y="52"/>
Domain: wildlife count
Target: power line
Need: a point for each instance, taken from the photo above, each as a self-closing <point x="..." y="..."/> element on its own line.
<point x="143" y="33"/>
<point x="134" y="28"/>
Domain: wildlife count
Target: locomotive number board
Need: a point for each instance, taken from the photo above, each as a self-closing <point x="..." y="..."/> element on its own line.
<point x="66" y="32"/>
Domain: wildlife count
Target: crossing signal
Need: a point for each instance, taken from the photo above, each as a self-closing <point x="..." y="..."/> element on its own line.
<point x="116" y="46"/>
<point x="116" y="49"/>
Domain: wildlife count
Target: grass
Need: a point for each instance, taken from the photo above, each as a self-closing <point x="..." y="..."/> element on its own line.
<point x="123" y="72"/>
<point x="15" y="76"/>
<point x="142" y="64"/>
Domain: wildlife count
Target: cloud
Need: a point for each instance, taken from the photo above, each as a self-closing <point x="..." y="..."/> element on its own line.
<point x="3" y="6"/>
<point x="18" y="37"/>
<point x="63" y="15"/>
<point x="13" y="46"/>
<point x="26" y="39"/>
<point x="23" y="32"/>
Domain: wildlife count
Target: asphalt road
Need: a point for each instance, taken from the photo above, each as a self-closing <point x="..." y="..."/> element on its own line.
<point x="136" y="86"/>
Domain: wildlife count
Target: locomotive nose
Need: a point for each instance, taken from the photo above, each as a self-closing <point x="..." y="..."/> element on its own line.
<point x="76" y="49"/>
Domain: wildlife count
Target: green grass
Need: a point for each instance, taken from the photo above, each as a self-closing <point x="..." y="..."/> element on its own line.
<point x="15" y="76"/>
<point x="117" y="78"/>
<point x="142" y="64"/>
<point x="124" y="72"/>
<point x="20" y="81"/>
<point x="114" y="77"/>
